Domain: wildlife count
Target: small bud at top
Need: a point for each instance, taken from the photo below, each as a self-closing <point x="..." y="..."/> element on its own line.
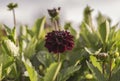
<point x="11" y="6"/>
<point x="54" y="12"/>
<point x="88" y="10"/>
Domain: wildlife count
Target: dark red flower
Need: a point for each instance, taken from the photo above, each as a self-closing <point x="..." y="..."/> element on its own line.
<point x="59" y="41"/>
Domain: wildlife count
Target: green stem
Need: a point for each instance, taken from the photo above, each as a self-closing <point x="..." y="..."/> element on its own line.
<point x="19" y="68"/>
<point x="58" y="24"/>
<point x="103" y="67"/>
<point x="14" y="18"/>
<point x="58" y="57"/>
<point x="55" y="25"/>
<point x="111" y="61"/>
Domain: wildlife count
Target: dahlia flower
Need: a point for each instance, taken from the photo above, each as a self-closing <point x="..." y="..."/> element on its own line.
<point x="59" y="41"/>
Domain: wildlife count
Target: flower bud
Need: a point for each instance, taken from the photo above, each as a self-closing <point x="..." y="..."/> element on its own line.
<point x="102" y="56"/>
<point x="117" y="61"/>
<point x="54" y="12"/>
<point x="116" y="54"/>
<point x="89" y="76"/>
<point x="11" y="6"/>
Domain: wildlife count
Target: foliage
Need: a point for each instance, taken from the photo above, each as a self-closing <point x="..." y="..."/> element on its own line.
<point x="95" y="56"/>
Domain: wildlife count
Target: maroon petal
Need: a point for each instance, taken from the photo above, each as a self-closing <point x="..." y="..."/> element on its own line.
<point x="59" y="41"/>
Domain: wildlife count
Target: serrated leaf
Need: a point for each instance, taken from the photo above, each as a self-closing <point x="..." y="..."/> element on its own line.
<point x="66" y="73"/>
<point x="52" y="71"/>
<point x="98" y="75"/>
<point x="42" y="58"/>
<point x="45" y="58"/>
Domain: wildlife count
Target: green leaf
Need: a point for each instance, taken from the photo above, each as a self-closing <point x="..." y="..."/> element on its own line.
<point x="104" y="30"/>
<point x="113" y="64"/>
<point x="88" y="50"/>
<point x="10" y="48"/>
<point x="38" y="29"/>
<point x="5" y="65"/>
<point x="0" y="72"/>
<point x="52" y="71"/>
<point x="92" y="52"/>
<point x="101" y="18"/>
<point x="14" y="34"/>
<point x="23" y="30"/>
<point x="30" y="48"/>
<point x="88" y="16"/>
<point x="69" y="27"/>
<point x="8" y="30"/>
<point x="115" y="75"/>
<point x="11" y="33"/>
<point x="98" y="75"/>
<point x="6" y="60"/>
<point x="66" y="73"/>
<point x="12" y="71"/>
<point x="31" y="71"/>
<point x="95" y="63"/>
<point x="45" y="58"/>
<point x="84" y="32"/>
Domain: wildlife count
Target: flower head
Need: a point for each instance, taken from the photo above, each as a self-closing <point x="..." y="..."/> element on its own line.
<point x="54" y="12"/>
<point x="11" y="6"/>
<point x="59" y="41"/>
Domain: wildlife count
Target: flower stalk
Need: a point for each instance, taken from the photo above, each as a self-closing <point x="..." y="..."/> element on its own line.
<point x="14" y="18"/>
<point x="103" y="67"/>
<point x="59" y="57"/>
<point x="111" y="62"/>
<point x="11" y="7"/>
<point x="54" y="14"/>
<point x="55" y="25"/>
